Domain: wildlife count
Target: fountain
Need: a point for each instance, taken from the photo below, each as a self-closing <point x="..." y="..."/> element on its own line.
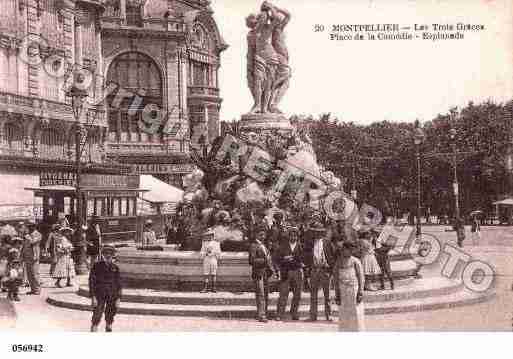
<point x="263" y="165"/>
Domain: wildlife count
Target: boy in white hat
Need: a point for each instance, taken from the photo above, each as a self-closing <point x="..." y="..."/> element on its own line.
<point x="210" y="253"/>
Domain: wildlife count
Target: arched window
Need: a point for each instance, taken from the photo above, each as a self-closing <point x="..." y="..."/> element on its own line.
<point x="52" y="144"/>
<point x="137" y="74"/>
<point x="13" y="137"/>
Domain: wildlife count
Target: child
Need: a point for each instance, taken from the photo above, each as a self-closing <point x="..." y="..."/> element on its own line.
<point x="370" y="265"/>
<point x="13" y="278"/>
<point x="5" y="245"/>
<point x="64" y="267"/>
<point x="210" y="253"/>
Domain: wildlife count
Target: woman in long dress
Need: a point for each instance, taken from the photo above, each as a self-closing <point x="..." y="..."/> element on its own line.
<point x="64" y="267"/>
<point x="351" y="282"/>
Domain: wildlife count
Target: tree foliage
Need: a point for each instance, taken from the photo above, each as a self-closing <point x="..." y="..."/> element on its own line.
<point x="379" y="160"/>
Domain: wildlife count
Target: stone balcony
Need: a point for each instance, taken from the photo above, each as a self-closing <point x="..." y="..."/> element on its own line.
<point x="42" y="108"/>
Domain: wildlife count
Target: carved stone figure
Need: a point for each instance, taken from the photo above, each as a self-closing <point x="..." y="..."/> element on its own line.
<point x="268" y="72"/>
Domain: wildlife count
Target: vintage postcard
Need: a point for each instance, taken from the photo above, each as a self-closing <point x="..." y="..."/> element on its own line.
<point x="247" y="165"/>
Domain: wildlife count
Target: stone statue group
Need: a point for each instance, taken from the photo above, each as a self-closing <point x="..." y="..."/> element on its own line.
<point x="268" y="70"/>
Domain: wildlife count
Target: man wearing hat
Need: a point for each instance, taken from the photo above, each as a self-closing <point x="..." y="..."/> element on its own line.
<point x="105" y="289"/>
<point x="50" y="246"/>
<point x="261" y="269"/>
<point x="321" y="260"/>
<point x="276" y="236"/>
<point x="149" y="236"/>
<point x="31" y="252"/>
<point x="291" y="262"/>
<point x="93" y="238"/>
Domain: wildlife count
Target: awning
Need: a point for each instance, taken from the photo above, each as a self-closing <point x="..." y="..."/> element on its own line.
<point x="506" y="202"/>
<point x="56" y="188"/>
<point x="159" y="191"/>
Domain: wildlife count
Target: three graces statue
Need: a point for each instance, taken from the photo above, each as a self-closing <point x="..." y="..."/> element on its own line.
<point x="268" y="70"/>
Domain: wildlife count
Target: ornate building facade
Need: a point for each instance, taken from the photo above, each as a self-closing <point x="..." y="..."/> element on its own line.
<point x="147" y="62"/>
<point x="40" y="41"/>
<point x="161" y="60"/>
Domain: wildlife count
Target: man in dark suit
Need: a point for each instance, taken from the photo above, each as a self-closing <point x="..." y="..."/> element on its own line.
<point x="105" y="289"/>
<point x="321" y="260"/>
<point x="31" y="252"/>
<point x="275" y="236"/>
<point x="291" y="262"/>
<point x="261" y="270"/>
<point x="93" y="238"/>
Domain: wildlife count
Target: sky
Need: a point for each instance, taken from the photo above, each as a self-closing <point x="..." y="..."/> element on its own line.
<point x="368" y="81"/>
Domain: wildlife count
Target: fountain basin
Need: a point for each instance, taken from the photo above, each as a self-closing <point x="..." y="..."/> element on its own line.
<point x="183" y="270"/>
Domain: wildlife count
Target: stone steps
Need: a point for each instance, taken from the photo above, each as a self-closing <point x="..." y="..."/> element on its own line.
<point x="73" y="301"/>
<point x="423" y="294"/>
<point x="421" y="288"/>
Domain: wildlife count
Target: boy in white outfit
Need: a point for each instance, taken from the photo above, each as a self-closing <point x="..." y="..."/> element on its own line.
<point x="210" y="253"/>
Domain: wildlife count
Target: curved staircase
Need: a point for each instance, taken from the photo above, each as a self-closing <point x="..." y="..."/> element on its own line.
<point x="419" y="295"/>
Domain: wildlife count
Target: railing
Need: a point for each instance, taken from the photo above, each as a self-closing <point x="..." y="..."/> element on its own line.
<point x="203" y="91"/>
<point x="46" y="108"/>
<point x="118" y="147"/>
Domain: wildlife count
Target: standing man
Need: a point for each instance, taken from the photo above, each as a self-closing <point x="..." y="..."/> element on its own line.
<point x="93" y="238"/>
<point x="382" y="256"/>
<point x="475" y="230"/>
<point x="276" y="236"/>
<point x="31" y="252"/>
<point x="50" y="246"/>
<point x="261" y="269"/>
<point x="460" y="231"/>
<point x="105" y="289"/>
<point x="322" y="262"/>
<point x="291" y="262"/>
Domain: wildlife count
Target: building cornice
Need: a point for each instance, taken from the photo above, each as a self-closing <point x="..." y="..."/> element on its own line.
<point x="136" y="158"/>
<point x="61" y="165"/>
<point x="140" y="33"/>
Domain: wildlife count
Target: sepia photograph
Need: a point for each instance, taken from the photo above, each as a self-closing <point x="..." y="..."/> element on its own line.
<point x="255" y="166"/>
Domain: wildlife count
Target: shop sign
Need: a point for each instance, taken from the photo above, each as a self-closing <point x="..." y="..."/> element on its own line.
<point x="160" y="168"/>
<point x="56" y="178"/>
<point x="20" y="211"/>
<point x="109" y="181"/>
<point x="103" y="194"/>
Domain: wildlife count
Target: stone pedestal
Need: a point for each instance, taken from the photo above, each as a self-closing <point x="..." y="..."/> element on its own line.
<point x="261" y="122"/>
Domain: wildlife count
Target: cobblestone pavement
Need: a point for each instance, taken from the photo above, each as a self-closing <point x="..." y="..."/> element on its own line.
<point x="34" y="314"/>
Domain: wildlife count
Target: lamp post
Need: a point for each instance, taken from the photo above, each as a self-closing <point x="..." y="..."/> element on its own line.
<point x="78" y="96"/>
<point x="354" y="192"/>
<point x="452" y="137"/>
<point x="418" y="138"/>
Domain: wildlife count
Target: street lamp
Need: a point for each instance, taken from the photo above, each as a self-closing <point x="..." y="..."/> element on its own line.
<point x="354" y="192"/>
<point x="452" y="137"/>
<point x="78" y="96"/>
<point x="418" y="138"/>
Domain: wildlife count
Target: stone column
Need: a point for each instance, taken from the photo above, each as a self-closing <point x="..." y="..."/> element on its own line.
<point x="122" y="9"/>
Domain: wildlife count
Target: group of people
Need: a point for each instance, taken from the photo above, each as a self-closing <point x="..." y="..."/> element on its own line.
<point x="311" y="258"/>
<point x="22" y="247"/>
<point x="19" y="259"/>
<point x="21" y="250"/>
<point x="316" y="258"/>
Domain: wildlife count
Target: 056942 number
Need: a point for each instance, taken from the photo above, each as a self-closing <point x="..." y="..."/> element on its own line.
<point x="27" y="348"/>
